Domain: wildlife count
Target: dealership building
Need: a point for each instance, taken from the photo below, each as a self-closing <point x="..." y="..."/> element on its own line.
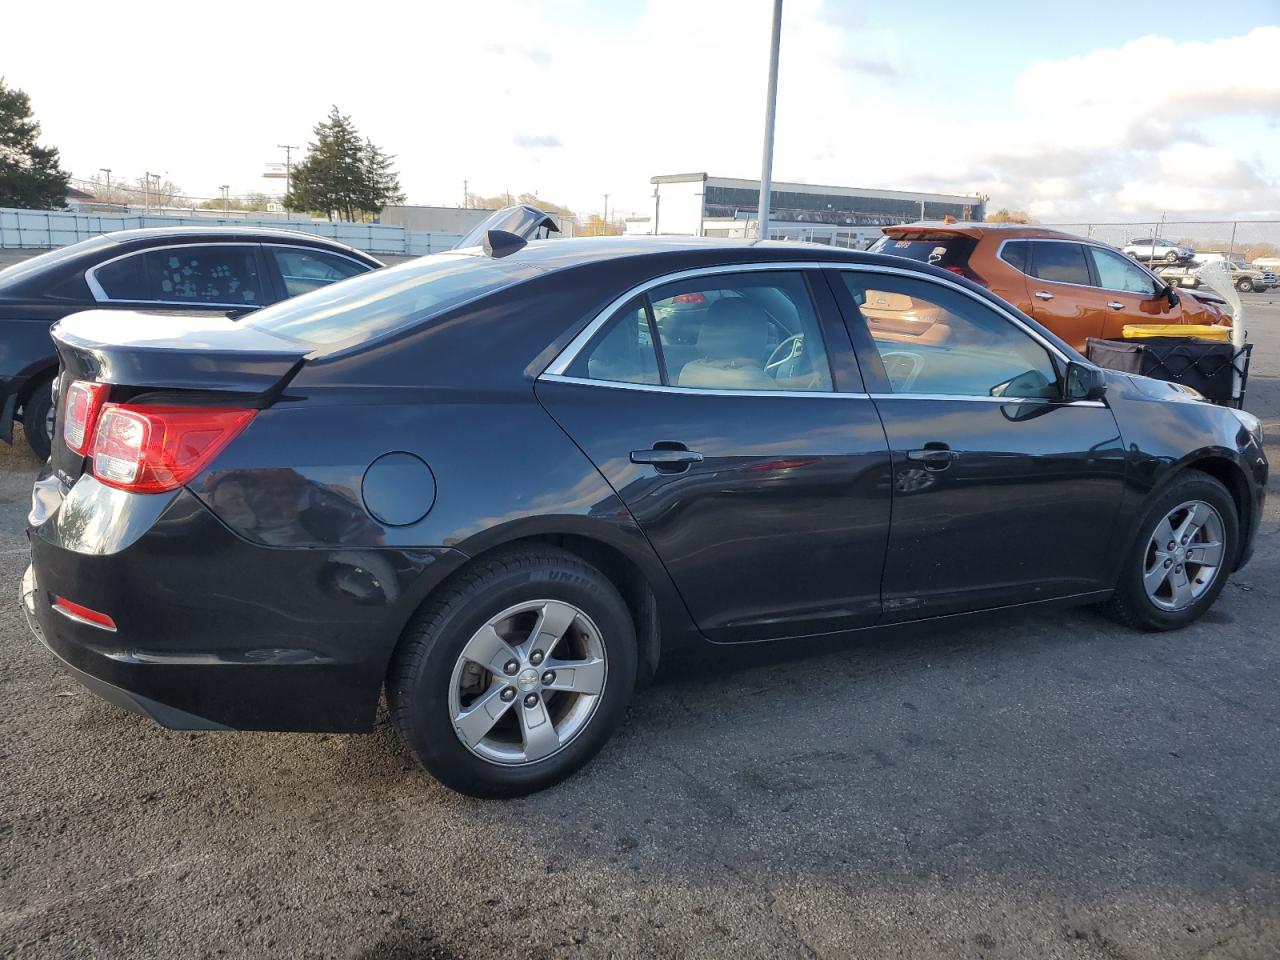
<point x="697" y="204"/>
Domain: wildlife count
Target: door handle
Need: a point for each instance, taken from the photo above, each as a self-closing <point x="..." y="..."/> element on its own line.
<point x="667" y="457"/>
<point x="1043" y="295"/>
<point x="934" y="458"/>
<point x="1116" y="305"/>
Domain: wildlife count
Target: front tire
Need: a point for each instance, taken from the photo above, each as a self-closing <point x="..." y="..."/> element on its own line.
<point x="1186" y="544"/>
<point x="37" y="420"/>
<point x="516" y="674"/>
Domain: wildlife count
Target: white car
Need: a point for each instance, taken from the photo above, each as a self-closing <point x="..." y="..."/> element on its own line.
<point x="1147" y="248"/>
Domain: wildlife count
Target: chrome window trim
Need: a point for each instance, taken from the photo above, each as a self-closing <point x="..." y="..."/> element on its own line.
<point x="695" y="391"/>
<point x="100" y="295"/>
<point x="565" y="358"/>
<point x="978" y="399"/>
<point x="1064" y="283"/>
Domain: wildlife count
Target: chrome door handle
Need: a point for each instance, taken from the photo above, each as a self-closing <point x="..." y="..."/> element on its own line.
<point x="1043" y="295"/>
<point x="670" y="459"/>
<point x="1116" y="305"/>
<point x="934" y="458"/>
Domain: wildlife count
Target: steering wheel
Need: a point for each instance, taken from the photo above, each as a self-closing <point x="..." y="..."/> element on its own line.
<point x="790" y="348"/>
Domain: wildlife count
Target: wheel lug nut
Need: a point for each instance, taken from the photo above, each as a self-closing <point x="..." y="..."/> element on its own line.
<point x="1168" y="563"/>
<point x="508" y="694"/>
<point x="1185" y="539"/>
<point x="1171" y="545"/>
<point x="1178" y="568"/>
<point x="536" y="657"/>
<point x="548" y="678"/>
<point x="510" y="668"/>
<point x="531" y="701"/>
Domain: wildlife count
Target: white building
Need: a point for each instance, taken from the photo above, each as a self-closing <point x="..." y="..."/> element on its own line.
<point x="696" y="204"/>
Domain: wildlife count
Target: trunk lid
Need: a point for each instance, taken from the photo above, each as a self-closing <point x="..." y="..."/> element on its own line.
<point x="180" y="358"/>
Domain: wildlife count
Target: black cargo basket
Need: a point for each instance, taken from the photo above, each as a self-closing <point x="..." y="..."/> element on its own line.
<point x="1205" y="365"/>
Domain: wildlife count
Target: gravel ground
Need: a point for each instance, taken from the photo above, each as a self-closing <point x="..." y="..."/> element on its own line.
<point x="1034" y="788"/>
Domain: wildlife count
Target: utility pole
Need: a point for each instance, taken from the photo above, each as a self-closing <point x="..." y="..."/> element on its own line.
<point x="466" y="196"/>
<point x="605" y="218"/>
<point x="146" y="192"/>
<point x="288" y="149"/>
<point x="224" y="188"/>
<point x="107" y="171"/>
<point x="770" y="109"/>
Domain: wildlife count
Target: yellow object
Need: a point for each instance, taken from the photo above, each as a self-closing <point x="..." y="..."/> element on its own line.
<point x="1204" y="331"/>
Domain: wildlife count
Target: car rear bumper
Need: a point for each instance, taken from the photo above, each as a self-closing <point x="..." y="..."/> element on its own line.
<point x="214" y="632"/>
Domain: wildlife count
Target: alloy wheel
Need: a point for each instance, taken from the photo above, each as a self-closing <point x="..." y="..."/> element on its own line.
<point x="1184" y="555"/>
<point x="527" y="682"/>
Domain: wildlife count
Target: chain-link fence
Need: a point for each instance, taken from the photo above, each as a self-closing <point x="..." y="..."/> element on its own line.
<point x="1253" y="239"/>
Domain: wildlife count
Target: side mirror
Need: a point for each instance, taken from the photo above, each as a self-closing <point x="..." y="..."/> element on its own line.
<point x="1171" y="295"/>
<point x="1085" y="382"/>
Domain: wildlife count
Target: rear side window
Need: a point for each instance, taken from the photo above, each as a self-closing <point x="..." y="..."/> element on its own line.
<point x="1059" y="262"/>
<point x="213" y="274"/>
<point x="1015" y="254"/>
<point x="947" y="250"/>
<point x="304" y="270"/>
<point x="744" y="331"/>
<point x="382" y="301"/>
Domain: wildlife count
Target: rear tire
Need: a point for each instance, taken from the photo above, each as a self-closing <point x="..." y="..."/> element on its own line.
<point x="1163" y="587"/>
<point x="1245" y="285"/>
<point x="37" y="415"/>
<point x="437" y="687"/>
<point x="1171" y="257"/>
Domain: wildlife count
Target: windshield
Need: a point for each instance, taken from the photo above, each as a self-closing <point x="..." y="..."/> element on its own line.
<point x="11" y="277"/>
<point x="377" y="303"/>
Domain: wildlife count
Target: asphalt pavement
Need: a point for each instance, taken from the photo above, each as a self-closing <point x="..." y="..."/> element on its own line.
<point x="1044" y="787"/>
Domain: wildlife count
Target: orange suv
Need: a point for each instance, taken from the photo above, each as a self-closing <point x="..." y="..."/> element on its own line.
<point x="1077" y="288"/>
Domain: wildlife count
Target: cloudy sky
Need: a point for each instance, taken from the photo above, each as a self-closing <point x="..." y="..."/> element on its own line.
<point x="1098" y="110"/>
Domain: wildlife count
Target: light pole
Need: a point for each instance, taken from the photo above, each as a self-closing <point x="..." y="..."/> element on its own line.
<point x="770" y="109"/>
<point x="107" y="171"/>
<point x="604" y="227"/>
<point x="224" y="188"/>
<point x="288" y="149"/>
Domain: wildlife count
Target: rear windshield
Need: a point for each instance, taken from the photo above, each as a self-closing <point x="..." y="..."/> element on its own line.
<point x="951" y="251"/>
<point x="377" y="303"/>
<point x="12" y="277"/>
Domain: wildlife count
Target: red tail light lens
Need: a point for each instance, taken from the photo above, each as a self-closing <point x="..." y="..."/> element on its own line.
<point x="967" y="274"/>
<point x="82" y="614"/>
<point x="154" y="449"/>
<point x="80" y="410"/>
<point x="688" y="298"/>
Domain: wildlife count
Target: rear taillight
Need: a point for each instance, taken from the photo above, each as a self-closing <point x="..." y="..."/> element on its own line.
<point x="153" y="449"/>
<point x="688" y="298"/>
<point x="82" y="614"/>
<point x="967" y="274"/>
<point x="80" y="411"/>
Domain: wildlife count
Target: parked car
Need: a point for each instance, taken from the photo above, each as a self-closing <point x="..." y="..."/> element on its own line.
<point x="175" y="270"/>
<point x="1077" y="288"/>
<point x="1247" y="277"/>
<point x="1149" y="248"/>
<point x="497" y="488"/>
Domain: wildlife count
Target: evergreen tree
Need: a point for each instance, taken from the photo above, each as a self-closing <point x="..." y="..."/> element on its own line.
<point x="29" y="173"/>
<point x="342" y="174"/>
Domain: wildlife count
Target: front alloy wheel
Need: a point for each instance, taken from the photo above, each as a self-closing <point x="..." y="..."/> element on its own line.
<point x="1184" y="556"/>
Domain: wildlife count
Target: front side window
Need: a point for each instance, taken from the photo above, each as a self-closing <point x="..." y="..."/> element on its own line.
<point x="937" y="341"/>
<point x="208" y="274"/>
<point x="744" y="331"/>
<point x="304" y="270"/>
<point x="1059" y="262"/>
<point x="1116" y="272"/>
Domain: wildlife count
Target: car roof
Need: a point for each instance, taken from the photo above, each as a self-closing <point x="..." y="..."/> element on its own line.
<point x="245" y="233"/>
<point x="935" y="229"/>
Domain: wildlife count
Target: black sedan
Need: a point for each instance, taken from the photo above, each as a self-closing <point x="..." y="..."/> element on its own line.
<point x="183" y="269"/>
<point x="502" y="484"/>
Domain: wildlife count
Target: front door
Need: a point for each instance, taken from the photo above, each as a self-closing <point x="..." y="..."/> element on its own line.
<point x="1002" y="492"/>
<point x="721" y="413"/>
<point x="1131" y="294"/>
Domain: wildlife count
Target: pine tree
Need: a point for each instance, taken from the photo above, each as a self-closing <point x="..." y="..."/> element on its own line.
<point x="29" y="173"/>
<point x="342" y="174"/>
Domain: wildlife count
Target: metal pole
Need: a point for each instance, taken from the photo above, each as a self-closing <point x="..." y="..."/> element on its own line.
<point x="224" y="188"/>
<point x="770" y="110"/>
<point x="146" y="192"/>
<point x="604" y="226"/>
<point x="1232" y="248"/>
<point x="288" y="149"/>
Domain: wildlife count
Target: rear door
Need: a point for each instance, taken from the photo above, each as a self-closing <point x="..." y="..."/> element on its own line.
<point x="1062" y="295"/>
<point x="726" y="411"/>
<point x="1002" y="492"/>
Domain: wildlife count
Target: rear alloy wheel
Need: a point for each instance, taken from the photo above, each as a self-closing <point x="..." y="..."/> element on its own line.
<point x="1181" y="559"/>
<point x="1244" y="285"/>
<point x="37" y="420"/>
<point x="1171" y="256"/>
<point x="516" y="675"/>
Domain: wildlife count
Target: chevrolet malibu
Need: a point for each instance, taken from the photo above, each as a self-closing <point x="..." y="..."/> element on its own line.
<point x="501" y="484"/>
